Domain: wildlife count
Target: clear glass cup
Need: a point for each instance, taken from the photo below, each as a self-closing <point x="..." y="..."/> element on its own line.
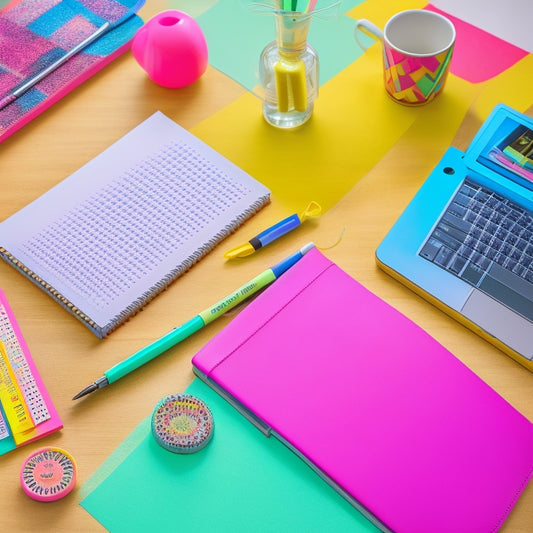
<point x="288" y="72"/>
<point x="289" y="65"/>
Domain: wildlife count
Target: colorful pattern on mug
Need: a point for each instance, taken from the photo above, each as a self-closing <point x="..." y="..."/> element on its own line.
<point x="413" y="80"/>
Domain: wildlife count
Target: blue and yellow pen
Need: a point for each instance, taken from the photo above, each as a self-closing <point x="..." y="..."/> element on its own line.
<point x="195" y="324"/>
<point x="274" y="232"/>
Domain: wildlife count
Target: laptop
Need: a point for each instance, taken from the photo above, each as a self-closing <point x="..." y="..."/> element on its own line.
<point x="465" y="242"/>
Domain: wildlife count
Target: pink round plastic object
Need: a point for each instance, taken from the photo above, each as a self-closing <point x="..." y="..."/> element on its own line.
<point x="171" y="48"/>
<point x="48" y="474"/>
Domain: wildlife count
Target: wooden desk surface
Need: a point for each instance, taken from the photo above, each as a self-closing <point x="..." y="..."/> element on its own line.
<point x="69" y="357"/>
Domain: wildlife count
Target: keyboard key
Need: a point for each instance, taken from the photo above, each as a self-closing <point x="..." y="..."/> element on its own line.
<point x="457" y="209"/>
<point x="484" y="263"/>
<point x="471" y="216"/>
<point x="508" y="223"/>
<point x="444" y="256"/>
<point x="482" y="196"/>
<point x="456" y="222"/>
<point x="492" y="227"/>
<point x="526" y="261"/>
<point x="449" y="235"/>
<point x="519" y="270"/>
<point x="512" y="281"/>
<point x="491" y="254"/>
<point x="525" y="221"/>
<point x="500" y="258"/>
<point x="515" y="207"/>
<point x="502" y="209"/>
<point x="462" y="199"/>
<point x="518" y="302"/>
<point x="512" y="239"/>
<point x="506" y="249"/>
<point x="527" y="234"/>
<point x="476" y="207"/>
<point x="468" y="189"/>
<point x="472" y="274"/>
<point x="482" y="248"/>
<point x="486" y="212"/>
<point x="465" y="251"/>
<point x="457" y="264"/>
<point x="498" y="197"/>
<point x="430" y="249"/>
<point x="496" y="218"/>
<point x="521" y="245"/>
<point x="501" y="233"/>
<point x="510" y="264"/>
<point x="491" y="241"/>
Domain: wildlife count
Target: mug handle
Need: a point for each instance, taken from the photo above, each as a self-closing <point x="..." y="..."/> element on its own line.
<point x="371" y="29"/>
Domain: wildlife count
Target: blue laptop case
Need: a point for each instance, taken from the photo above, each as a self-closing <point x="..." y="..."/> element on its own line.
<point x="491" y="186"/>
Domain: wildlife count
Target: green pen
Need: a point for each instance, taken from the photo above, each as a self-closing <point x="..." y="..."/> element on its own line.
<point x="201" y="320"/>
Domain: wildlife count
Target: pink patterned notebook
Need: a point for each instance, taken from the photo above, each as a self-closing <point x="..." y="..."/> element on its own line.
<point x="34" y="34"/>
<point x="382" y="411"/>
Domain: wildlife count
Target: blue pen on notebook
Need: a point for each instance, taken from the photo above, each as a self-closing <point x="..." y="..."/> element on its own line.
<point x="146" y="354"/>
<point x="274" y="232"/>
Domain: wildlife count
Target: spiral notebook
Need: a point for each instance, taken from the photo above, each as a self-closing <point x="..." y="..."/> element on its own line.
<point x="118" y="231"/>
<point x="378" y="408"/>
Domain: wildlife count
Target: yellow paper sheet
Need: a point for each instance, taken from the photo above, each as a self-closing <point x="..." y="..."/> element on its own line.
<point x="513" y="87"/>
<point x="353" y="125"/>
<point x="379" y="11"/>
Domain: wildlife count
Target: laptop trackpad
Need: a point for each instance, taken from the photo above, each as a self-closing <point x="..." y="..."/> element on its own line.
<point x="500" y="322"/>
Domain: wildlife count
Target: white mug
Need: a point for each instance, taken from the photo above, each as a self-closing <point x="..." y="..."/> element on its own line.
<point x="417" y="50"/>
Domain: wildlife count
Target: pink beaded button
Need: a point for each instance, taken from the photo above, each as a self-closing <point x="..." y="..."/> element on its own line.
<point x="48" y="474"/>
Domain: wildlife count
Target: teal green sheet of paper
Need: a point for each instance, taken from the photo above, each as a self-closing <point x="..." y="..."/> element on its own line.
<point x="194" y="8"/>
<point x="241" y="481"/>
<point x="235" y="38"/>
<point x="7" y="443"/>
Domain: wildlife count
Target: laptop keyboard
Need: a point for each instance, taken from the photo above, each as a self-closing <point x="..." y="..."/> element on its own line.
<point x="486" y="240"/>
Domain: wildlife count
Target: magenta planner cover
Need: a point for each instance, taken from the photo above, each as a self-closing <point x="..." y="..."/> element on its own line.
<point x="375" y="405"/>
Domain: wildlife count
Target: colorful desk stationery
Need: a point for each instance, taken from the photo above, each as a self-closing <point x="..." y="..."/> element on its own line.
<point x="389" y="165"/>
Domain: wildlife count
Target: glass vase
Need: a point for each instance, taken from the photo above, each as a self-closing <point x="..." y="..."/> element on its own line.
<point x="288" y="72"/>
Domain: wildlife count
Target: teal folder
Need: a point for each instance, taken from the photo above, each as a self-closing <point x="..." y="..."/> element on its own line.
<point x="241" y="481"/>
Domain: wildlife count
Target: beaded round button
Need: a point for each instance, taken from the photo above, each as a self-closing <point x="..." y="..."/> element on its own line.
<point x="182" y="423"/>
<point x="48" y="474"/>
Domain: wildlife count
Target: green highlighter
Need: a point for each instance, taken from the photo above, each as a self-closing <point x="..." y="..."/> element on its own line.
<point x="201" y="320"/>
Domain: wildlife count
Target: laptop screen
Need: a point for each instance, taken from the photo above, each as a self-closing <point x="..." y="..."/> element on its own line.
<point x="509" y="152"/>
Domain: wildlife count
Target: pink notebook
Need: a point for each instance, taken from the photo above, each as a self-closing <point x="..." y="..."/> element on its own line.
<point x="35" y="34"/>
<point x="17" y="365"/>
<point x="382" y="411"/>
